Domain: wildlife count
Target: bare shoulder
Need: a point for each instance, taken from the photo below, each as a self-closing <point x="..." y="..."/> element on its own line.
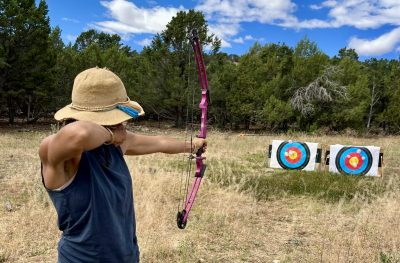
<point x="43" y="149"/>
<point x="52" y="176"/>
<point x="59" y="161"/>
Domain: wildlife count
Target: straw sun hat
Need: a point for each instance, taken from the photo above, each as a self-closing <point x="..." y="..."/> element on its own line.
<point x="99" y="96"/>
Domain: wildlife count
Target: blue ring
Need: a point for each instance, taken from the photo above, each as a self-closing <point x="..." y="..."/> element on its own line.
<point x="305" y="155"/>
<point x="341" y="158"/>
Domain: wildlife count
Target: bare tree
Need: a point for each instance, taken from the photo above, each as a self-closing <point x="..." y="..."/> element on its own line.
<point x="324" y="89"/>
<point x="375" y="96"/>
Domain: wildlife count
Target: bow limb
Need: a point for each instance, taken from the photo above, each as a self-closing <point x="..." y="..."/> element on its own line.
<point x="205" y="99"/>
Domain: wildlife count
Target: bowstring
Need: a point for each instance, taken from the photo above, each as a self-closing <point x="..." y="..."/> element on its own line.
<point x="183" y="200"/>
<point x="189" y="170"/>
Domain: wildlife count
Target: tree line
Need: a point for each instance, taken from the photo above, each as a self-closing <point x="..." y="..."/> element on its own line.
<point x="272" y="87"/>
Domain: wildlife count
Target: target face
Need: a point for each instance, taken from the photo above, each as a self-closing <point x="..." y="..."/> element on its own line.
<point x="293" y="155"/>
<point x="354" y="160"/>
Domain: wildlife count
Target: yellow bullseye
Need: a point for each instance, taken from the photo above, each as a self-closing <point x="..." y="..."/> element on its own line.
<point x="353" y="161"/>
<point x="292" y="154"/>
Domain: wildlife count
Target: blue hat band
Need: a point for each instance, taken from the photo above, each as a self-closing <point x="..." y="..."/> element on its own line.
<point x="131" y="112"/>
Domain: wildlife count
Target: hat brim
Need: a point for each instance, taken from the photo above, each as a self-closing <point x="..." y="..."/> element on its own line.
<point x="107" y="118"/>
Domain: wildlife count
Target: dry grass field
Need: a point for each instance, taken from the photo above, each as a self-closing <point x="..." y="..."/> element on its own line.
<point x="244" y="212"/>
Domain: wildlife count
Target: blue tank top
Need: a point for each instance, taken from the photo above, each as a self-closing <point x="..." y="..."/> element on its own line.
<point x="95" y="212"/>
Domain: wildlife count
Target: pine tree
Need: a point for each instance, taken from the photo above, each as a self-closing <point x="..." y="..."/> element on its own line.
<point x="26" y="74"/>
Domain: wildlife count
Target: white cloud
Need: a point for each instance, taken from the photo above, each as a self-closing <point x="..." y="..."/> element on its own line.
<point x="311" y="23"/>
<point x="239" y="40"/>
<point x="378" y="46"/>
<point x="72" y="20"/>
<point x="225" y="16"/>
<point x="361" y="14"/>
<point x="315" y="7"/>
<point x="127" y="18"/>
<point x="144" y="42"/>
<point x="113" y="27"/>
<point x="236" y="11"/>
<point x="329" y="3"/>
<point x="224" y="32"/>
<point x="71" y="38"/>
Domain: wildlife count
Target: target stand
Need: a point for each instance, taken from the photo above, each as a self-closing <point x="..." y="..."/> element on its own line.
<point x="294" y="155"/>
<point x="355" y="160"/>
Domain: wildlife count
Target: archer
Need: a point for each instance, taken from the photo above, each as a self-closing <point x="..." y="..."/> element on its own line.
<point x="85" y="174"/>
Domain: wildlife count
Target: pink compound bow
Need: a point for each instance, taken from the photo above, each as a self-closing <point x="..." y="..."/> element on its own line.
<point x="182" y="216"/>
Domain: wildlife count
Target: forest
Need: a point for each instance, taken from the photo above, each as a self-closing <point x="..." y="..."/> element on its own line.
<point x="272" y="87"/>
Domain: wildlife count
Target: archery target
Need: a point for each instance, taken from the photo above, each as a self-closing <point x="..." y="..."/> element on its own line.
<point x="355" y="160"/>
<point x="293" y="155"/>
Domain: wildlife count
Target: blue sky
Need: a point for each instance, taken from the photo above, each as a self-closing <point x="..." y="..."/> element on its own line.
<point x="372" y="27"/>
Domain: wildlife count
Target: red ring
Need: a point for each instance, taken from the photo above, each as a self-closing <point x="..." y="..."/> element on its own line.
<point x="297" y="159"/>
<point x="349" y="156"/>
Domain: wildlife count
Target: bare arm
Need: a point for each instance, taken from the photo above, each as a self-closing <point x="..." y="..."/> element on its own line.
<point x="136" y="144"/>
<point x="60" y="153"/>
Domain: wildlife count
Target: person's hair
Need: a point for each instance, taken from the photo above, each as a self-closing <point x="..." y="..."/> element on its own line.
<point x="66" y="122"/>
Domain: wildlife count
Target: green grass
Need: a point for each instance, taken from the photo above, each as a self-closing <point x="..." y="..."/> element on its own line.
<point x="3" y="258"/>
<point x="387" y="258"/>
<point x="251" y="175"/>
<point x="330" y="187"/>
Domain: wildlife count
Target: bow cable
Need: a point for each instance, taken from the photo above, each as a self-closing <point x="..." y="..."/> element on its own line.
<point x="187" y="158"/>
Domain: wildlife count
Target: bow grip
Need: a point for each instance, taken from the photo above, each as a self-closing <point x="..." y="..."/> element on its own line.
<point x="200" y="151"/>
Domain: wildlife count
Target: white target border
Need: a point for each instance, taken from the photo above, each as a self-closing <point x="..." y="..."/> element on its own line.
<point x="375" y="151"/>
<point x="311" y="166"/>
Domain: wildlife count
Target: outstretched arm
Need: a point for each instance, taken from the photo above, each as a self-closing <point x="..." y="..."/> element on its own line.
<point x="136" y="144"/>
